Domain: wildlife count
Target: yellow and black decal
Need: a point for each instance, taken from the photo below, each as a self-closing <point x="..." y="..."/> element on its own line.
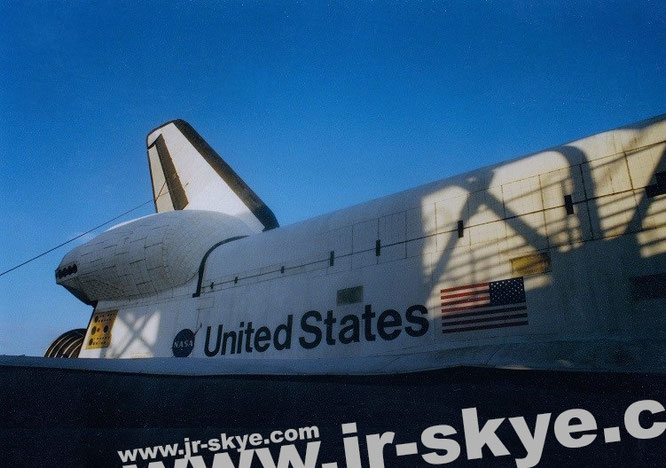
<point x="99" y="330"/>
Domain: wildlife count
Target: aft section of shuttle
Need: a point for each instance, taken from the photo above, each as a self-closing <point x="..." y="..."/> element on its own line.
<point x="146" y="256"/>
<point x="564" y="250"/>
<point x="200" y="202"/>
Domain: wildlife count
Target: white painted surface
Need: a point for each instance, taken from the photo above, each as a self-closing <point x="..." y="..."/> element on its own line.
<point x="581" y="312"/>
<point x="204" y="188"/>
<point x="149" y="255"/>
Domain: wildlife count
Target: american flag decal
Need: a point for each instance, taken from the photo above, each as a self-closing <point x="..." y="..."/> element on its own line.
<point x="482" y="306"/>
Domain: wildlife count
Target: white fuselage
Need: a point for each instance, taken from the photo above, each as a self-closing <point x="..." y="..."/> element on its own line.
<point x="416" y="277"/>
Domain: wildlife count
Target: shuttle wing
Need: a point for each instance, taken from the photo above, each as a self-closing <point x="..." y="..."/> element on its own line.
<point x="187" y="174"/>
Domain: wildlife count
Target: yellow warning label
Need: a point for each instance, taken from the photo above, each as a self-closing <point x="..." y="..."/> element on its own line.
<point x="531" y="264"/>
<point x="99" y="331"/>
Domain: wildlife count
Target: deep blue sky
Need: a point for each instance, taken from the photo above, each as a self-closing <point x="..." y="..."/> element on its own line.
<point x="316" y="106"/>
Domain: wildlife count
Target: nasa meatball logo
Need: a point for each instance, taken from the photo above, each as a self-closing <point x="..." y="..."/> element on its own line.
<point x="183" y="343"/>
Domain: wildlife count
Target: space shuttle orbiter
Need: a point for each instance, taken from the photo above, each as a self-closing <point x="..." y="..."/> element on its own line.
<point x="555" y="260"/>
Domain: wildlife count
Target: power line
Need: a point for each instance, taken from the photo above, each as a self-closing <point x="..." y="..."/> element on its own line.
<point x="77" y="237"/>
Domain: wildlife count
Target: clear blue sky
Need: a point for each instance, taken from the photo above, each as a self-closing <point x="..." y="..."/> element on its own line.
<point x="317" y="106"/>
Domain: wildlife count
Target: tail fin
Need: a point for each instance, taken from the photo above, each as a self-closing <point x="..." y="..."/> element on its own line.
<point x="187" y="173"/>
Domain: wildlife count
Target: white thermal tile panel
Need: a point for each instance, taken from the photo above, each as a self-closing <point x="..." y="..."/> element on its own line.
<point x="612" y="214"/>
<point x="526" y="233"/>
<point x="488" y="232"/>
<point x="596" y="146"/>
<point x="643" y="164"/>
<point x="652" y="211"/>
<point x="564" y="229"/>
<point x="421" y="228"/>
<point x="637" y="136"/>
<point x="449" y="212"/>
<point x="363" y="243"/>
<point x="556" y="184"/>
<point x="485" y="207"/>
<point x="392" y="230"/>
<point x="606" y="176"/>
<point x="522" y="197"/>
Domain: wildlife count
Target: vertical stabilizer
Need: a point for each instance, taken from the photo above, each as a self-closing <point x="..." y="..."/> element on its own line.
<point x="187" y="174"/>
